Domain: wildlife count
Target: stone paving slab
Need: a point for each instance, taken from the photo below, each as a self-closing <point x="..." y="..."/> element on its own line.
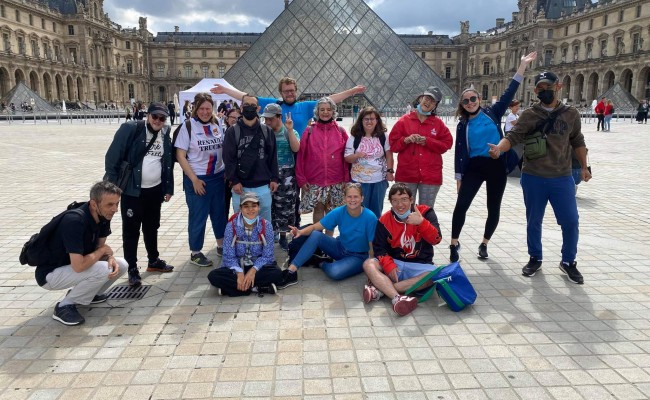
<point x="539" y="338"/>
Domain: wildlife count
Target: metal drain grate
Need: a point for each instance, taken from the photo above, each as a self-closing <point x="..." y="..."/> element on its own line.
<point x="126" y="292"/>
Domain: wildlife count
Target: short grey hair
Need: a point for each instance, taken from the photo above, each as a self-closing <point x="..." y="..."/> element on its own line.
<point x="328" y="101"/>
<point x="102" y="188"/>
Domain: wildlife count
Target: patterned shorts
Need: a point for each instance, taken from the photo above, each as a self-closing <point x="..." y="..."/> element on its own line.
<point x="331" y="196"/>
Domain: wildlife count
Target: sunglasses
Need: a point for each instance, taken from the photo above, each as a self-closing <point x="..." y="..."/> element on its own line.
<point x="160" y="118"/>
<point x="470" y="100"/>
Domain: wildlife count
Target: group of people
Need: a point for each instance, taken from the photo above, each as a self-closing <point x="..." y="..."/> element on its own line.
<point x="604" y="112"/>
<point x="261" y="166"/>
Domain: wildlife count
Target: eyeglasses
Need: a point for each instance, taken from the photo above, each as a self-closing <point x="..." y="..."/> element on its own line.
<point x="369" y="119"/>
<point x="248" y="104"/>
<point x="160" y="118"/>
<point x="289" y="91"/>
<point x="405" y="200"/>
<point x="233" y="116"/>
<point x="470" y="100"/>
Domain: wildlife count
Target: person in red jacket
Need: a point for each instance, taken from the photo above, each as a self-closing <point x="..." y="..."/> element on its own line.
<point x="419" y="139"/>
<point x="600" y="113"/>
<point x="403" y="250"/>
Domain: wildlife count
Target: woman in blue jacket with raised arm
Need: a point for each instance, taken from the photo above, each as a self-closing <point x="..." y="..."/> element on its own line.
<point x="473" y="165"/>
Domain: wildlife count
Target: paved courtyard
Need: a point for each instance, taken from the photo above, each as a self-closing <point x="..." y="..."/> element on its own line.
<point x="525" y="338"/>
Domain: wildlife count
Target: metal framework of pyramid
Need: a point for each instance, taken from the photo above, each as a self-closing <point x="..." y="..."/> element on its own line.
<point x="22" y="93"/>
<point x="332" y="45"/>
<point x="621" y="98"/>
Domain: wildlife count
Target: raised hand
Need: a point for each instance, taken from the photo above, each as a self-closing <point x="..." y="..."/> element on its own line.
<point x="415" y="217"/>
<point x="288" y="123"/>
<point x="217" y="89"/>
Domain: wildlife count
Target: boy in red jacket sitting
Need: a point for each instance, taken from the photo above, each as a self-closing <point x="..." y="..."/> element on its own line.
<point x="403" y="249"/>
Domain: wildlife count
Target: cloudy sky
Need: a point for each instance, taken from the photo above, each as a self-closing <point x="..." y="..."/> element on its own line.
<point x="404" y="16"/>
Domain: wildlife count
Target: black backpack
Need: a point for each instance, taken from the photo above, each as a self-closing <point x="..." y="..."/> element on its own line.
<point x="36" y="251"/>
<point x="188" y="126"/>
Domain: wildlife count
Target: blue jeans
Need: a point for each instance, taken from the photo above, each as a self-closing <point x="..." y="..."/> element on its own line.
<point x="211" y="203"/>
<point x="560" y="192"/>
<point x="373" y="196"/>
<point x="608" y="122"/>
<point x="264" y="193"/>
<point x="346" y="263"/>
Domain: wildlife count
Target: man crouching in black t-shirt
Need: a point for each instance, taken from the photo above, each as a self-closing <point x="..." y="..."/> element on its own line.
<point x="80" y="258"/>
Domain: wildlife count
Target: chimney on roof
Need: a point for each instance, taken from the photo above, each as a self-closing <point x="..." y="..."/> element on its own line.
<point x="515" y="15"/>
<point x="286" y="4"/>
<point x="176" y="29"/>
<point x="500" y="22"/>
<point x="430" y="33"/>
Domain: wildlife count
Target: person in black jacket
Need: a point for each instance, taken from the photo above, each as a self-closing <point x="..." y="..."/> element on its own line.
<point x="259" y="172"/>
<point x="147" y="148"/>
<point x="477" y="127"/>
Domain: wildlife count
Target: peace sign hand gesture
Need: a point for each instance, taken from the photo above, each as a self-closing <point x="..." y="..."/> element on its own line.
<point x="415" y="217"/>
<point x="288" y="123"/>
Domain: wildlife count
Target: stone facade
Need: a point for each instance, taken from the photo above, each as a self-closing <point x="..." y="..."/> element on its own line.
<point x="75" y="52"/>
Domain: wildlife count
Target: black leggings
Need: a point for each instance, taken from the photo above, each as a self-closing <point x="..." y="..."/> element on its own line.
<point x="226" y="279"/>
<point x="479" y="170"/>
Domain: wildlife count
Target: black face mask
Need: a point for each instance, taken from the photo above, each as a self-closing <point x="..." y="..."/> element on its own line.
<point x="151" y="128"/>
<point x="249" y="112"/>
<point x="102" y="219"/>
<point x="546" y="96"/>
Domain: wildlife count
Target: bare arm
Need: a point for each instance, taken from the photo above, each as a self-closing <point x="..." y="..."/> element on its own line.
<point x="339" y="97"/>
<point x="81" y="263"/>
<point x="232" y="92"/>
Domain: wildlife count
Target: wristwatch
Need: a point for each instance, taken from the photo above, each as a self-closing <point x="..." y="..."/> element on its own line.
<point x="390" y="170"/>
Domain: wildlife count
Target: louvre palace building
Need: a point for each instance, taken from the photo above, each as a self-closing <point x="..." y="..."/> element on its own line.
<point x="71" y="50"/>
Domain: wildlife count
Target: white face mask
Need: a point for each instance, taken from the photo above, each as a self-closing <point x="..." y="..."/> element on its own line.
<point x="403" y="216"/>
<point x="250" y="221"/>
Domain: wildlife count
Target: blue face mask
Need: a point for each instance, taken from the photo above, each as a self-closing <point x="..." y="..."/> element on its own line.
<point x="419" y="108"/>
<point x="403" y="216"/>
<point x="250" y="221"/>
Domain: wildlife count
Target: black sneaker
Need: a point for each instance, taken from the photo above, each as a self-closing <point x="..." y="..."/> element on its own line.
<point x="453" y="252"/>
<point x="271" y="289"/>
<point x="159" y="266"/>
<point x="482" y="251"/>
<point x="283" y="242"/>
<point x="201" y="260"/>
<point x="68" y="315"/>
<point x="532" y="267"/>
<point x="219" y="251"/>
<point x="571" y="271"/>
<point x="99" y="298"/>
<point x="288" y="279"/>
<point x="134" y="278"/>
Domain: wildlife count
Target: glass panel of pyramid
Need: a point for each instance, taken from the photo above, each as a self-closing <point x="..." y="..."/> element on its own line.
<point x="332" y="45"/>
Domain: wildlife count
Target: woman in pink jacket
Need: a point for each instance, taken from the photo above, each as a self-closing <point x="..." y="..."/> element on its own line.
<point x="321" y="170"/>
<point x="419" y="139"/>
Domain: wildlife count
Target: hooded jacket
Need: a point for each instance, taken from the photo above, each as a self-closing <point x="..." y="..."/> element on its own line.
<point x="420" y="163"/>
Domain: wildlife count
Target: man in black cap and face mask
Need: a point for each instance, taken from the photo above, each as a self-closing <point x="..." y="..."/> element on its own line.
<point x="549" y="131"/>
<point x="140" y="161"/>
<point x="250" y="157"/>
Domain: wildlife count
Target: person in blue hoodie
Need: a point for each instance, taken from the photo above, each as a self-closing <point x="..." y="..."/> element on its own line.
<point x="473" y="165"/>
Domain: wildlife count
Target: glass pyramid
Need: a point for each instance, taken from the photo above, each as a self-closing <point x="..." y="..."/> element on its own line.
<point x="21" y="93"/>
<point x="622" y="100"/>
<point x="332" y="45"/>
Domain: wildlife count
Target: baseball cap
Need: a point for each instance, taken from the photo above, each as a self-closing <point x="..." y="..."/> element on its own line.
<point x="434" y="92"/>
<point x="271" y="110"/>
<point x="158" y="108"/>
<point x="546" y="77"/>
<point x="249" y="196"/>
